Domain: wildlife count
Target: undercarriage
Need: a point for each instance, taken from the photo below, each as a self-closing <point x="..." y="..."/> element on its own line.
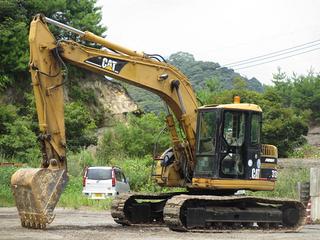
<point x="204" y="213"/>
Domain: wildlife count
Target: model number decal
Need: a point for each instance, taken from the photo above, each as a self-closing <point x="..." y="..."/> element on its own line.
<point x="110" y="64"/>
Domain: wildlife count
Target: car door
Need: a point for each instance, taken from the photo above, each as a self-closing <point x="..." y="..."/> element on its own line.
<point x="126" y="187"/>
<point x="119" y="184"/>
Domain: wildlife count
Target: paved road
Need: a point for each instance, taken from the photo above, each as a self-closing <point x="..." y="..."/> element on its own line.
<point x="83" y="224"/>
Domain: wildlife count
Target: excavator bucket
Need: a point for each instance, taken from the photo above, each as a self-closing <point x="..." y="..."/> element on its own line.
<point x="36" y="192"/>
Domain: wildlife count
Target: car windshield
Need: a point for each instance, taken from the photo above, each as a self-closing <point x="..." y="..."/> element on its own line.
<point x="99" y="174"/>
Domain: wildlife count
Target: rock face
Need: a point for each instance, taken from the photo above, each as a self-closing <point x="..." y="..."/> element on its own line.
<point x="112" y="97"/>
<point x="313" y="136"/>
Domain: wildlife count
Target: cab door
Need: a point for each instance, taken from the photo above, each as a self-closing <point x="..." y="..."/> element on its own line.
<point x="232" y="150"/>
<point x="206" y="144"/>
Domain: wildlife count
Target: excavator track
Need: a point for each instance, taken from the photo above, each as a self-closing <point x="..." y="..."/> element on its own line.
<point x="198" y="213"/>
<point x="233" y="213"/>
<point x="117" y="209"/>
<point x="140" y="209"/>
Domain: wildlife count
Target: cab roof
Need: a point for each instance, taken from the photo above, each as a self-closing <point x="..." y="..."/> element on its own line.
<point x="234" y="106"/>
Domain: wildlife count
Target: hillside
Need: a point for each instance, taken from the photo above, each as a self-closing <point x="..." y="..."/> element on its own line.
<point x="198" y="73"/>
<point x="104" y="97"/>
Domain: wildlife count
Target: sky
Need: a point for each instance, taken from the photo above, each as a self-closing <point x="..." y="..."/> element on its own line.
<point x="221" y="31"/>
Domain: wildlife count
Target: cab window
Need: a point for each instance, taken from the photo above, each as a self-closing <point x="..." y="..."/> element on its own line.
<point x="207" y="132"/>
<point x="255" y="128"/>
<point x="234" y="128"/>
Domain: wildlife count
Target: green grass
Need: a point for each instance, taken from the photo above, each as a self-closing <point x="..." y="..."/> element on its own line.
<point x="286" y="185"/>
<point x="306" y="151"/>
<point x="73" y="198"/>
<point x="70" y="198"/>
<point x="6" y="197"/>
<point x="138" y="170"/>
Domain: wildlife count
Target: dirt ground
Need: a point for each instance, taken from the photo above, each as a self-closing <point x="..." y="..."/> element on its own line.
<point x="83" y="224"/>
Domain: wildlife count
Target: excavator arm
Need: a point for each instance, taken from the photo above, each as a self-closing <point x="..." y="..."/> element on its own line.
<point x="37" y="191"/>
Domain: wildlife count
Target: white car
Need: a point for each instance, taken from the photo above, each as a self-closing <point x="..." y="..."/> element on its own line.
<point x="103" y="182"/>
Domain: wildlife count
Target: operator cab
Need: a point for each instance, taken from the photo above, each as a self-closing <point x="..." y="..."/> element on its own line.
<point x="228" y="141"/>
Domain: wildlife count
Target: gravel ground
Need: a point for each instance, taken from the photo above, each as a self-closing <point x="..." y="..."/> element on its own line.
<point x="88" y="224"/>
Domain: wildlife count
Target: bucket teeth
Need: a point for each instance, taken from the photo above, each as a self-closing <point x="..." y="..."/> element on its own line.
<point x="36" y="221"/>
<point x="36" y="192"/>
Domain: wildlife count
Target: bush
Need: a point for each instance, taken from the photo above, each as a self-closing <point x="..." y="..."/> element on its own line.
<point x="138" y="171"/>
<point x="285" y="129"/>
<point x="80" y="126"/>
<point x="86" y="97"/>
<point x="306" y="151"/>
<point x="78" y="161"/>
<point x="286" y="185"/>
<point x="135" y="139"/>
<point x="17" y="140"/>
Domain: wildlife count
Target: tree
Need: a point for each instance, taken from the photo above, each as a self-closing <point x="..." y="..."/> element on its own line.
<point x="181" y="59"/>
<point x="80" y="126"/>
<point x="18" y="127"/>
<point x="212" y="87"/>
<point x="283" y="87"/>
<point x="137" y="138"/>
<point x="15" y="16"/>
<point x="306" y="94"/>
<point x="299" y="92"/>
<point x="239" y="83"/>
<point x="284" y="128"/>
<point x="17" y="140"/>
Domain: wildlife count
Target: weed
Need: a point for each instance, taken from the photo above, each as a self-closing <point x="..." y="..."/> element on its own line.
<point x="286" y="185"/>
<point x="306" y="151"/>
<point x="72" y="197"/>
<point x="6" y="197"/>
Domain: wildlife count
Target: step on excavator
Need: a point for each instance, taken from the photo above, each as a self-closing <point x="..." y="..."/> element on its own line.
<point x="220" y="151"/>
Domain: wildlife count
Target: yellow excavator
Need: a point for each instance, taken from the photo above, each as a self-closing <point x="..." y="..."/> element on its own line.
<point x="220" y="151"/>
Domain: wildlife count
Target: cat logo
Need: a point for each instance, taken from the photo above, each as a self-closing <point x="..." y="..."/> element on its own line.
<point x="106" y="63"/>
<point x="109" y="64"/>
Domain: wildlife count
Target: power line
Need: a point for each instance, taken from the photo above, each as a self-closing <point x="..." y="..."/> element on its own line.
<point x="269" y="54"/>
<point x="311" y="50"/>
<point x="273" y="56"/>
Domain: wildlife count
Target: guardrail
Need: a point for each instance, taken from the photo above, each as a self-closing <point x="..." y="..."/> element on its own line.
<point x="11" y="164"/>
